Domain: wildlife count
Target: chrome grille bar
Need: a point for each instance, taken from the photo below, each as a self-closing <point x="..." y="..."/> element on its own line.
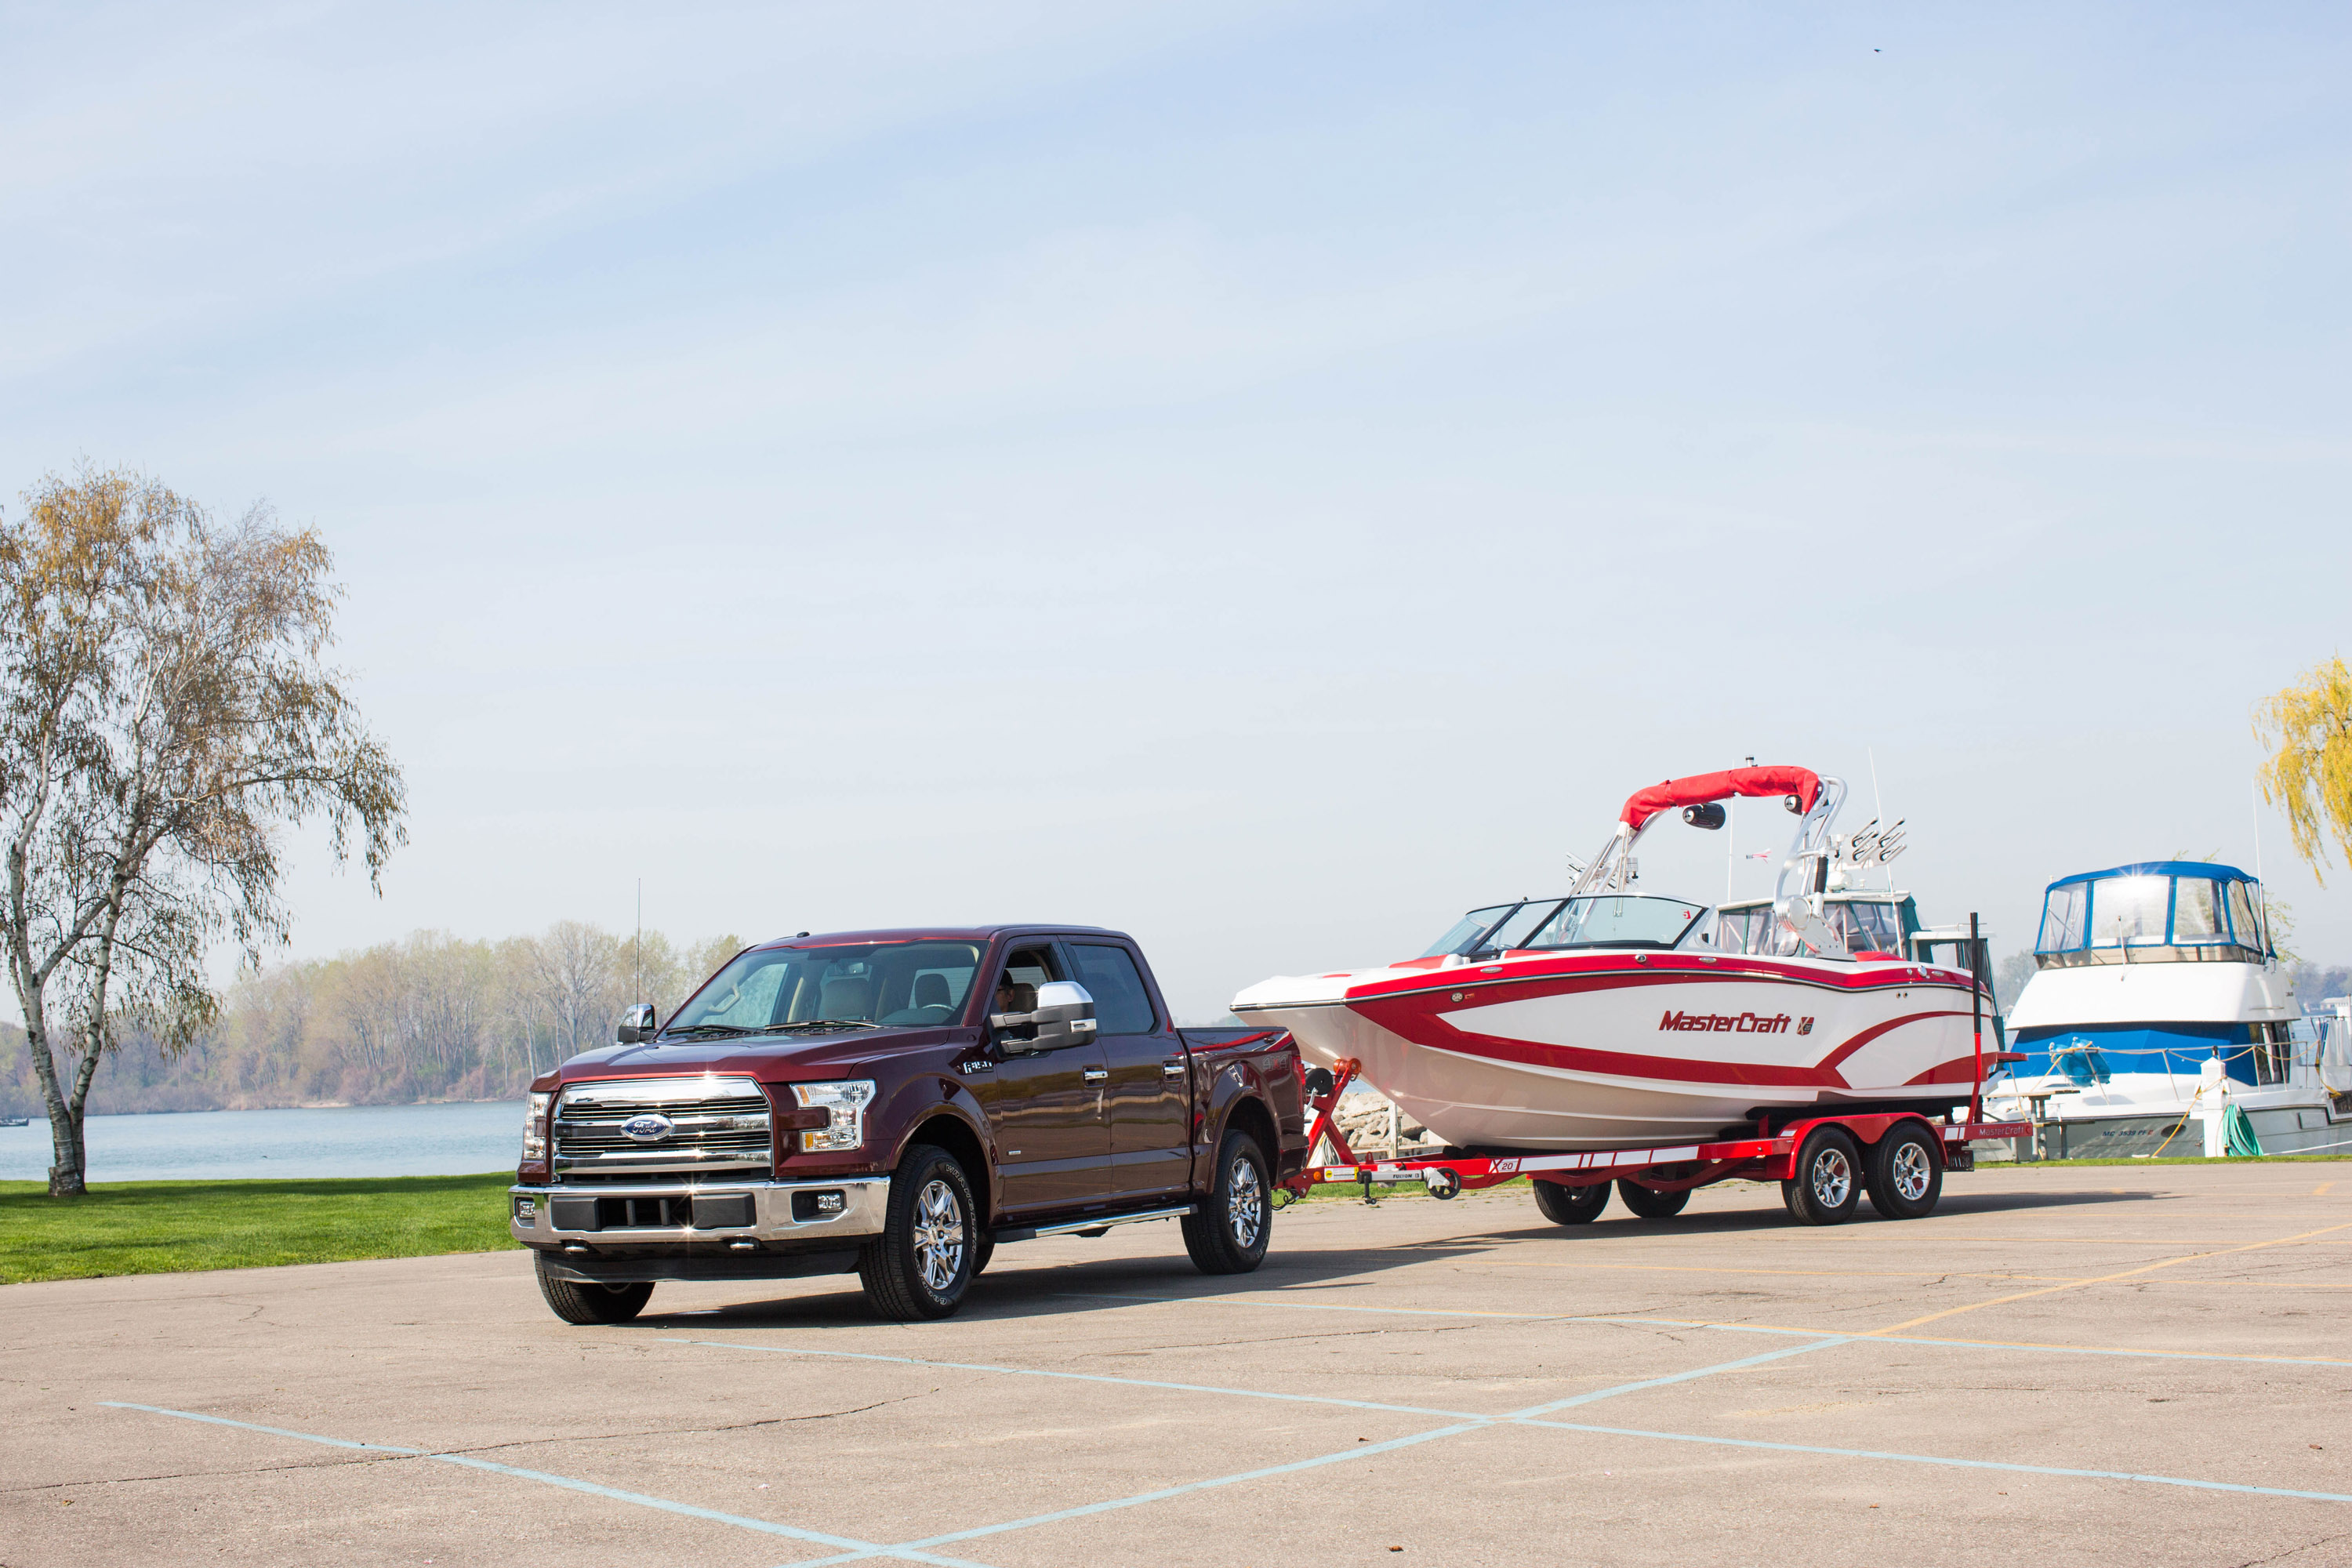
<point x="700" y="1122"/>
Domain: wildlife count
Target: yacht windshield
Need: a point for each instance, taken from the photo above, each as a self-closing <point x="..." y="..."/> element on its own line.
<point x="898" y="984"/>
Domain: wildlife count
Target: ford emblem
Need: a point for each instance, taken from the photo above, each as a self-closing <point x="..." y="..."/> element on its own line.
<point x="650" y="1128"/>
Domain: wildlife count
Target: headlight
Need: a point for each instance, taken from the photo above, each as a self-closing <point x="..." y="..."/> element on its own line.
<point x="534" y="1130"/>
<point x="844" y="1105"/>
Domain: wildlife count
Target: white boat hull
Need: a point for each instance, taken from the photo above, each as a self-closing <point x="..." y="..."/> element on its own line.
<point x="1610" y="1048"/>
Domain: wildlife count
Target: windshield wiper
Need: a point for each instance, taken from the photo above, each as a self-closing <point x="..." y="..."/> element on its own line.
<point x="820" y="1024"/>
<point x="708" y="1029"/>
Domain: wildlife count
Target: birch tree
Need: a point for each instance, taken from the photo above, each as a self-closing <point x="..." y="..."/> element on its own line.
<point x="169" y="716"/>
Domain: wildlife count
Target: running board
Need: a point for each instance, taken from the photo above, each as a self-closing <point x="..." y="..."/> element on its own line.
<point x="1095" y="1226"/>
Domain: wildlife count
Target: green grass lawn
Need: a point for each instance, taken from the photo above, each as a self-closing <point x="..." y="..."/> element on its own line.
<point x="158" y="1227"/>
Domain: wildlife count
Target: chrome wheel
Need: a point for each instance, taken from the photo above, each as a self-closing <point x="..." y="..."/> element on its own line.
<point x="1910" y="1172"/>
<point x="938" y="1236"/>
<point x="1832" y="1178"/>
<point x="1245" y="1201"/>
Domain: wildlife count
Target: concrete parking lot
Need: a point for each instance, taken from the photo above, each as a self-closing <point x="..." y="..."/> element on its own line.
<point x="2150" y="1365"/>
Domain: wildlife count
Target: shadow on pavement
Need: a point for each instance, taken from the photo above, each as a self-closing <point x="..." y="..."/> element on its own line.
<point x="1012" y="1290"/>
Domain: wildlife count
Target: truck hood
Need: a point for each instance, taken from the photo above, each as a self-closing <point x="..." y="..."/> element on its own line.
<point x="851" y="1054"/>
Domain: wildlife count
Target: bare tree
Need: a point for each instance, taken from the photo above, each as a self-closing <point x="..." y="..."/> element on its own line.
<point x="168" y="714"/>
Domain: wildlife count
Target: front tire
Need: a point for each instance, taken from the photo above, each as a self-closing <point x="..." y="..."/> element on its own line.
<point x="1650" y="1203"/>
<point x="1571" y="1205"/>
<point x="921" y="1264"/>
<point x="1229" y="1236"/>
<point x="1827" y="1188"/>
<point x="1904" y="1173"/>
<point x="586" y="1305"/>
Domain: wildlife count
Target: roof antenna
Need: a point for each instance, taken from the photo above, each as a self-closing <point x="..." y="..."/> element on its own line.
<point x="638" y="955"/>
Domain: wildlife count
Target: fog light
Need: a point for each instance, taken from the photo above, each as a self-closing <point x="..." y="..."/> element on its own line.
<point x="526" y="1211"/>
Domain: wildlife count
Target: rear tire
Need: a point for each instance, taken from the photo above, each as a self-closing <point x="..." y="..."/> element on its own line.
<point x="1827" y="1188"/>
<point x="1650" y="1203"/>
<point x="1229" y="1236"/>
<point x="589" y="1304"/>
<point x="1904" y="1173"/>
<point x="1571" y="1205"/>
<point x="921" y="1264"/>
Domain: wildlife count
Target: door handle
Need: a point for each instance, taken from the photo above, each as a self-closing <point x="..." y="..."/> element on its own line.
<point x="1171" y="1070"/>
<point x="1096" y="1074"/>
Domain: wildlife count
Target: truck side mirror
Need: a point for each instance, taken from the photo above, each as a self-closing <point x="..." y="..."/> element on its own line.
<point x="638" y="1024"/>
<point x="1063" y="1015"/>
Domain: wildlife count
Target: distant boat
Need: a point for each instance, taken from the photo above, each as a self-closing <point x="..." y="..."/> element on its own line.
<point x="13" y="1122"/>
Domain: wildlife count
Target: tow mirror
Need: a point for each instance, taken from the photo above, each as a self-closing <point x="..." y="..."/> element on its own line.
<point x="638" y="1024"/>
<point x="1062" y="1013"/>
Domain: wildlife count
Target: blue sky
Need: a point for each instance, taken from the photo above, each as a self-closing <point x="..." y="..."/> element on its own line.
<point x="1266" y="477"/>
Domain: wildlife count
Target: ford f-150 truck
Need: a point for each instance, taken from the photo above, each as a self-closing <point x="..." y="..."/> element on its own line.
<point x="896" y="1103"/>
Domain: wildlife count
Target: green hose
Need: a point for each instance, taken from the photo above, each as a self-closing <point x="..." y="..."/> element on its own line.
<point x="2240" y="1132"/>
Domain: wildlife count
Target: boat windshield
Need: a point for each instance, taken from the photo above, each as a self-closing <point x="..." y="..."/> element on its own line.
<point x="903" y="984"/>
<point x="1613" y="920"/>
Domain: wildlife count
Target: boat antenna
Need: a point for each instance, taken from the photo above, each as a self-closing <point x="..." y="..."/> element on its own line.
<point x="1731" y="840"/>
<point x="2262" y="889"/>
<point x="1879" y="805"/>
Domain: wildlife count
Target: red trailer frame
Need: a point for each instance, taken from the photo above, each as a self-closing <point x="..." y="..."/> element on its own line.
<point x="1769" y="1156"/>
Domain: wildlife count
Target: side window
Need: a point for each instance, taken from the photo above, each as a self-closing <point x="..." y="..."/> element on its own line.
<point x="1122" y="1005"/>
<point x="1025" y="969"/>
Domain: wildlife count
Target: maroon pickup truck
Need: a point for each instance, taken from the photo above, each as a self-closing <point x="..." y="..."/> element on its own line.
<point x="895" y="1103"/>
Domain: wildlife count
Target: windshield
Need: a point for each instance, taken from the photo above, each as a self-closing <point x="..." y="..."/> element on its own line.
<point x="1618" y="920"/>
<point x="906" y="983"/>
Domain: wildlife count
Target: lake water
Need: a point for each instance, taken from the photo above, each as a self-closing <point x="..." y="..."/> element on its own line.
<point x="352" y="1141"/>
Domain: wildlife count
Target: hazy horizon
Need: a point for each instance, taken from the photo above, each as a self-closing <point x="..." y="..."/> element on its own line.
<point x="1265" y="477"/>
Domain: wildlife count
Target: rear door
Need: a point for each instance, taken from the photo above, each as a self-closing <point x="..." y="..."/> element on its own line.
<point x="1046" y="1109"/>
<point x="1150" y="1092"/>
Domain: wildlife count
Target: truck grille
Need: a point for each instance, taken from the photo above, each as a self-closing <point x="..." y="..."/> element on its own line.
<point x="632" y="1126"/>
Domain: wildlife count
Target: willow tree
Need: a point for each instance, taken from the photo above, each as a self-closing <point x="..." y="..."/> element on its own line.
<point x="2308" y="730"/>
<point x="168" y="716"/>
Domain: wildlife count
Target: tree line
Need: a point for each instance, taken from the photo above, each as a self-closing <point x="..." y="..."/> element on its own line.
<point x="429" y="1017"/>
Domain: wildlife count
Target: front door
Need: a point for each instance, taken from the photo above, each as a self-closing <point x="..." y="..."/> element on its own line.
<point x="1149" y="1089"/>
<point x="1044" y="1109"/>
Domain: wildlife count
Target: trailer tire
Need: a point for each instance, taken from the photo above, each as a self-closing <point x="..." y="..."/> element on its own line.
<point x="1229" y="1236"/>
<point x="1651" y="1203"/>
<point x="1571" y="1205"/>
<point x="920" y="1266"/>
<point x="589" y="1304"/>
<point x="1827" y="1188"/>
<point x="1904" y="1173"/>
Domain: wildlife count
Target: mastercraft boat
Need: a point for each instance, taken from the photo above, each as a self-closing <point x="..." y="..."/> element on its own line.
<point x="2145" y="975"/>
<point x="1607" y="1018"/>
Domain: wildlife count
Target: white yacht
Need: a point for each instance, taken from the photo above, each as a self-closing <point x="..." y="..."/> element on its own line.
<point x="2144" y="974"/>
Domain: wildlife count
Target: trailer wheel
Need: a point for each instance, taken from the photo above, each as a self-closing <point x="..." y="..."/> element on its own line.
<point x="1571" y="1205"/>
<point x="1828" y="1187"/>
<point x="1905" y="1173"/>
<point x="1650" y="1203"/>
<point x="1230" y="1233"/>
<point x="588" y="1304"/>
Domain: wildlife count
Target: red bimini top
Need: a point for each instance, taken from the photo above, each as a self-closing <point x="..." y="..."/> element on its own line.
<point x="1701" y="788"/>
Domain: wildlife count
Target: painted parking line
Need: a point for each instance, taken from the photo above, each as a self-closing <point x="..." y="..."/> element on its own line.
<point x="1598" y="1394"/>
<point x="1361" y="1450"/>
<point x="1727" y="1328"/>
<point x="2004" y="1465"/>
<point x="666" y="1505"/>
<point x="1083" y="1377"/>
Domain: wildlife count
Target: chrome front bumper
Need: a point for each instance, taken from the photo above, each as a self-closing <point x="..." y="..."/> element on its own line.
<point x="554" y="1214"/>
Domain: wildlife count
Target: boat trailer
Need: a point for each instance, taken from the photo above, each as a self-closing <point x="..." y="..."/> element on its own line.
<point x="1769" y="1156"/>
